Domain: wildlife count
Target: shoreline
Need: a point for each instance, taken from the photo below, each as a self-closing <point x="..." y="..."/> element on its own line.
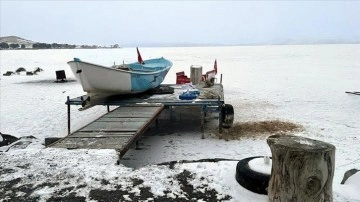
<point x="190" y="46"/>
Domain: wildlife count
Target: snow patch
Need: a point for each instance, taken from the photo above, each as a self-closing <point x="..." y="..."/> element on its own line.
<point x="268" y="83"/>
<point x="306" y="142"/>
<point x="351" y="187"/>
<point x="259" y="165"/>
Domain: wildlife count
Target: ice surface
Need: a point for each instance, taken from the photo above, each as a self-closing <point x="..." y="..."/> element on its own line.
<point x="304" y="84"/>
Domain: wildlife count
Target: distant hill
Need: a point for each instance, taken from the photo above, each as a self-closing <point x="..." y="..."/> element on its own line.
<point x="16" y="39"/>
<point x="15" y="42"/>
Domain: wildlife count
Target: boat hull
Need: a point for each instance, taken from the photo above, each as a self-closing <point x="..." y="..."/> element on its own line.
<point x="97" y="79"/>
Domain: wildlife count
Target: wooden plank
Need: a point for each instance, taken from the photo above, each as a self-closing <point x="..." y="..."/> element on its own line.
<point x="93" y="143"/>
<point x="101" y="134"/>
<point x="133" y="112"/>
<point x="113" y="126"/>
<point x="121" y="119"/>
<point x="135" y="109"/>
<point x="130" y="115"/>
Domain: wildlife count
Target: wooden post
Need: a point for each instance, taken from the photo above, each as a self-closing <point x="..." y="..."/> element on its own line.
<point x="302" y="169"/>
<point x="195" y="74"/>
<point x="220" y="78"/>
<point x="108" y="108"/>
<point x="68" y="113"/>
<point x="119" y="157"/>
<point x="202" y="123"/>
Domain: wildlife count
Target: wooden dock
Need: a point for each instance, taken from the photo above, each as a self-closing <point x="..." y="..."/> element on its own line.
<point x="118" y="129"/>
<point x="124" y="126"/>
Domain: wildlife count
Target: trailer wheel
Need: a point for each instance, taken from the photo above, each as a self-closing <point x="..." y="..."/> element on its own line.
<point x="252" y="180"/>
<point x="227" y="116"/>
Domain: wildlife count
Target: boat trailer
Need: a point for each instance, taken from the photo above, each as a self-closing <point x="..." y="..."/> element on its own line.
<point x="122" y="127"/>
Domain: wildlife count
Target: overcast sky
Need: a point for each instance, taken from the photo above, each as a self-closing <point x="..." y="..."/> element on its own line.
<point x="181" y="22"/>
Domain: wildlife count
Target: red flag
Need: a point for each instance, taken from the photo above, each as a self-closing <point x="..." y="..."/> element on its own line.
<point x="140" y="60"/>
<point x="215" y="67"/>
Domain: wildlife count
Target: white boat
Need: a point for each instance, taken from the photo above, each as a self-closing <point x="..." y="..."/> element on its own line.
<point x="130" y="78"/>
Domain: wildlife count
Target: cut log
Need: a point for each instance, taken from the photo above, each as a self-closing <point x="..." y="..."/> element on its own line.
<point x="302" y="169"/>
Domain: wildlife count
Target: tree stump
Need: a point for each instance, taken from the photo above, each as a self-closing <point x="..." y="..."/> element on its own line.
<point x="302" y="169"/>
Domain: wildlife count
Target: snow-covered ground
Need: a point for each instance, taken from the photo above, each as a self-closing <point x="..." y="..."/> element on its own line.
<point x="303" y="84"/>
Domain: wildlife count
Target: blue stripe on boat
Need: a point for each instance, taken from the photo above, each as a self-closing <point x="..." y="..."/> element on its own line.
<point x="152" y="73"/>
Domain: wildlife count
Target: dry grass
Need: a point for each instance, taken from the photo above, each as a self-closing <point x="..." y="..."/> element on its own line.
<point x="260" y="129"/>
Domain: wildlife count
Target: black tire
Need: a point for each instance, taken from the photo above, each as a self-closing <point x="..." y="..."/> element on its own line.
<point x="227" y="115"/>
<point x="249" y="179"/>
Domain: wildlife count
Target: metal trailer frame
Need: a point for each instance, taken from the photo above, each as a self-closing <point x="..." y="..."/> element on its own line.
<point x="136" y="101"/>
<point x="207" y="105"/>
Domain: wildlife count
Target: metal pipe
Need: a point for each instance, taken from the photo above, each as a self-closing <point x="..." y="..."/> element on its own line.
<point x="202" y="122"/>
<point x="68" y="113"/>
<point x="220" y="121"/>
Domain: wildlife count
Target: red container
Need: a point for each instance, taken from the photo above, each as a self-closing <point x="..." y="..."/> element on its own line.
<point x="181" y="78"/>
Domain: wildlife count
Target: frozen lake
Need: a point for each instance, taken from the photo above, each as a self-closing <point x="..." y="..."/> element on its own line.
<point x="304" y="84"/>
